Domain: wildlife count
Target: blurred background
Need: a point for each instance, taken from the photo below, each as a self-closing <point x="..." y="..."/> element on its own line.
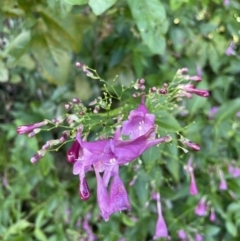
<point x="40" y="41"/>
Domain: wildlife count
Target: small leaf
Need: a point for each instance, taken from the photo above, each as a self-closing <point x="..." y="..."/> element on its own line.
<point x="100" y="6"/>
<point x="231" y="228"/>
<point x="18" y="47"/>
<point x="39" y="234"/>
<point x="3" y="72"/>
<point x="167" y="121"/>
<point x="150" y="18"/>
<point x="228" y="110"/>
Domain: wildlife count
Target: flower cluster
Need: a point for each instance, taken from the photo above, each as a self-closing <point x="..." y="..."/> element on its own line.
<point x="105" y="156"/>
<point x="129" y="138"/>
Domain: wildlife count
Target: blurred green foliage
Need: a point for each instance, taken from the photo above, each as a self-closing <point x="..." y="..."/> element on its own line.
<point x="40" y="41"/>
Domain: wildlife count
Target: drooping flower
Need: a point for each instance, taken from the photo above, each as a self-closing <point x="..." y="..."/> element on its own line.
<point x="87" y="228"/>
<point x="212" y="216"/>
<point x="193" y="186"/>
<point x="234" y="171"/>
<point x="182" y="234"/>
<point x="161" y="227"/>
<point x="84" y="189"/>
<point x="139" y="121"/>
<point x="118" y="195"/>
<point x="198" y="237"/>
<point x="230" y="50"/>
<point x="223" y="183"/>
<point x="73" y="152"/>
<point x="28" y="128"/>
<point x="201" y="208"/>
<point x="226" y="2"/>
<point x="212" y="112"/>
<point x="103" y="198"/>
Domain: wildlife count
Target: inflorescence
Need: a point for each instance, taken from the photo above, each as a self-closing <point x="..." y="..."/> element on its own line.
<point x="125" y="134"/>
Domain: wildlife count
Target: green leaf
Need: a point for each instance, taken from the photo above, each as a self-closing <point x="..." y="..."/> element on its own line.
<point x="39" y="234"/>
<point x="228" y="110"/>
<point x="100" y="6"/>
<point x="76" y="2"/>
<point x="167" y="121"/>
<point x="3" y="72"/>
<point x="231" y="228"/>
<point x="211" y="230"/>
<point x="150" y="18"/>
<point x="16" y="228"/>
<point x="18" y="47"/>
<point x="54" y="60"/>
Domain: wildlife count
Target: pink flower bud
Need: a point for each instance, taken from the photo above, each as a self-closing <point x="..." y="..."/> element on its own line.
<point x="28" y="128"/>
<point x="212" y="216"/>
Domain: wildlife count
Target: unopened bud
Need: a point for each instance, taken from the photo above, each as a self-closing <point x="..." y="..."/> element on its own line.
<point x="34" y="132"/>
<point x="153" y="89"/>
<point x="39" y="155"/>
<point x="67" y="106"/>
<point x="76" y="101"/>
<point x="142" y="87"/>
<point x="141" y="81"/>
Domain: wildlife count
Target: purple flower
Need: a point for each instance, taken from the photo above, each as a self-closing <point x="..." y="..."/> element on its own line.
<point x="230" y="50"/>
<point x="117" y="200"/>
<point x="161" y="227"/>
<point x="223" y="183"/>
<point x="234" y="171"/>
<point x="238" y="114"/>
<point x="118" y="195"/>
<point x="226" y="2"/>
<point x="193" y="186"/>
<point x="198" y="237"/>
<point x="199" y="70"/>
<point x="192" y="145"/>
<point x="188" y="89"/>
<point x="201" y="208"/>
<point x="139" y="122"/>
<point x="212" y="112"/>
<point x="182" y="234"/>
<point x="103" y="198"/>
<point x="28" y="128"/>
<point x="84" y="192"/>
<point x="212" y="216"/>
<point x="73" y="152"/>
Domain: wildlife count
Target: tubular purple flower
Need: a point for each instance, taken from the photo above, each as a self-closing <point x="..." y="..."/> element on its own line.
<point x="230" y="50"/>
<point x="126" y="151"/>
<point x="223" y="183"/>
<point x="193" y="186"/>
<point x="182" y="234"/>
<point x="139" y="121"/>
<point x="212" y="216"/>
<point x="192" y="145"/>
<point x="103" y="198"/>
<point x="118" y="195"/>
<point x="201" y="208"/>
<point x="195" y="78"/>
<point x="39" y="155"/>
<point x="198" y="237"/>
<point x="84" y="192"/>
<point x="28" y="128"/>
<point x="73" y="152"/>
<point x="161" y="227"/>
<point x="191" y="89"/>
<point x="226" y="2"/>
<point x="212" y="112"/>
